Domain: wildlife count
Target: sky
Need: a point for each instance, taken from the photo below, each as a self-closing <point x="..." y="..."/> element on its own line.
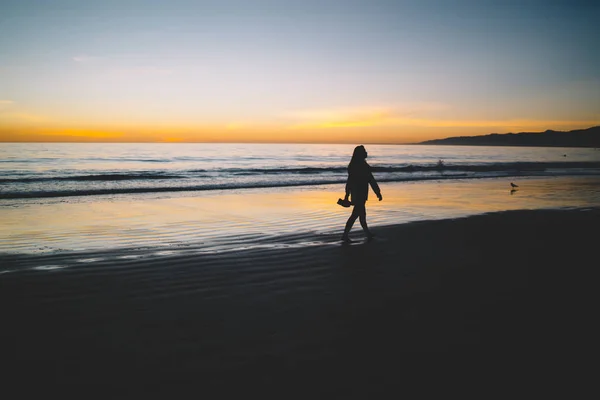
<point x="339" y="71"/>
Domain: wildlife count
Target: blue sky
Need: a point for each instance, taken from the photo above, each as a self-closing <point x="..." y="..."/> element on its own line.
<point x="397" y="71"/>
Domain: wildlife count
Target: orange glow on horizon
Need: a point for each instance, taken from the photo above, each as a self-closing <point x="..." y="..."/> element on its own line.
<point x="377" y="127"/>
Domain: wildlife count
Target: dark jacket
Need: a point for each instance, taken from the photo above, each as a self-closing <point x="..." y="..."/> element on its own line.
<point x="359" y="178"/>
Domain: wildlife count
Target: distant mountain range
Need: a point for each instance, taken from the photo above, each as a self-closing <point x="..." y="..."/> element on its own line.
<point x="589" y="137"/>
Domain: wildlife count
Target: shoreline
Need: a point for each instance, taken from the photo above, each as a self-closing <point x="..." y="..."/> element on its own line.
<point x="219" y="221"/>
<point x="500" y="288"/>
<point x="251" y="243"/>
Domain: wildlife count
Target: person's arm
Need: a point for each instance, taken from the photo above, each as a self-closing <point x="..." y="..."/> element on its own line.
<point x="374" y="185"/>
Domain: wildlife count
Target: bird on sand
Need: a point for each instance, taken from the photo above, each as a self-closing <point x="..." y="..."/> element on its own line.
<point x="513" y="185"/>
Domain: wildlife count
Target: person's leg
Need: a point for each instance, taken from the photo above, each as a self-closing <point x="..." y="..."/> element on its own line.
<point x="349" y="224"/>
<point x="362" y="216"/>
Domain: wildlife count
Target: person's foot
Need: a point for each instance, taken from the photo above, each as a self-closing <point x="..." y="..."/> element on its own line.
<point x="346" y="239"/>
<point x="370" y="236"/>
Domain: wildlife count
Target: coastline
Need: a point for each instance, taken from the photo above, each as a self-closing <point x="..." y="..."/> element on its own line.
<point x="501" y="288"/>
<point x="187" y="223"/>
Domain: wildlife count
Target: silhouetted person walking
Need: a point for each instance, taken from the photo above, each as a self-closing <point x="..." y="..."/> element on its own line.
<point x="357" y="187"/>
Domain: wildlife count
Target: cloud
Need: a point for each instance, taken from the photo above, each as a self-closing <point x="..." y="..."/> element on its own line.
<point x="143" y="71"/>
<point x="514" y="124"/>
<point x="20" y="117"/>
<point x="84" y="59"/>
<point x="5" y="104"/>
<point x="418" y="115"/>
<point x="360" y="116"/>
<point x="11" y="114"/>
<point x="235" y="125"/>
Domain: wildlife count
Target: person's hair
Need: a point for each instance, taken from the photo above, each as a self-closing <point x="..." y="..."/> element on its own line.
<point x="358" y="156"/>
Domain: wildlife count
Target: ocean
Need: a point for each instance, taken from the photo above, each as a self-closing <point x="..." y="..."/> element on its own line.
<point x="59" y="170"/>
<point x="162" y="200"/>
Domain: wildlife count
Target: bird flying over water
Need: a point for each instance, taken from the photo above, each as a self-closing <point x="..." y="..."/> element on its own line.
<point x="513" y="185"/>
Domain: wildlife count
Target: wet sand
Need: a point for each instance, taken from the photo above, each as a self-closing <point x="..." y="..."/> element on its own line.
<point x="490" y="301"/>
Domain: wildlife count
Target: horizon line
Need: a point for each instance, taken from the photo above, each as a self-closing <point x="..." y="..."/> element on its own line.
<point x="209" y="142"/>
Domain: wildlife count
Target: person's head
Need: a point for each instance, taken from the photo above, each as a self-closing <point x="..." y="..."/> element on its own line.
<point x="360" y="154"/>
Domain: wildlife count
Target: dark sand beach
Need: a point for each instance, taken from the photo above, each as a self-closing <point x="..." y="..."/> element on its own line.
<point x="497" y="300"/>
